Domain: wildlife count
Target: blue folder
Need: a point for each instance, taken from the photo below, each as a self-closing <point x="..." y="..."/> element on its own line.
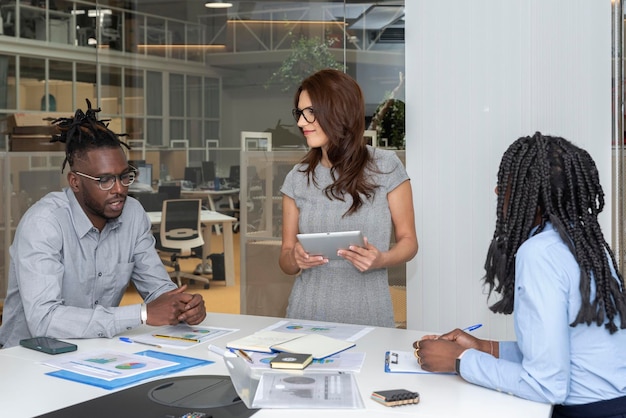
<point x="183" y="363"/>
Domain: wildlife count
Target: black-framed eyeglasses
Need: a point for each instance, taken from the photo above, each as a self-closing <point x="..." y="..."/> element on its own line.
<point x="107" y="181"/>
<point x="308" y="113"/>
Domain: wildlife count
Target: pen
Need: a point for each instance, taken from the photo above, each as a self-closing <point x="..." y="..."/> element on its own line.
<point x="170" y="337"/>
<point x="244" y="355"/>
<point x="128" y="340"/>
<point x="472" y="327"/>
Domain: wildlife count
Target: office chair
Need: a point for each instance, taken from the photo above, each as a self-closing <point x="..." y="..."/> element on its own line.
<point x="151" y="202"/>
<point x="181" y="236"/>
<point x="173" y="192"/>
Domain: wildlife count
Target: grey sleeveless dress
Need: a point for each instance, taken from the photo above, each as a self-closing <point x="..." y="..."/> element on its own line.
<point x="337" y="291"/>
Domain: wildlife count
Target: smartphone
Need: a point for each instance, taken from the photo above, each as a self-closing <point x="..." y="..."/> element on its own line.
<point x="396" y="397"/>
<point x="48" y="345"/>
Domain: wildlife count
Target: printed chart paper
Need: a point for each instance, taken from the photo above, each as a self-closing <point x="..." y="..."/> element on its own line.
<point x="339" y="331"/>
<point x="182" y="335"/>
<point x="108" y="365"/>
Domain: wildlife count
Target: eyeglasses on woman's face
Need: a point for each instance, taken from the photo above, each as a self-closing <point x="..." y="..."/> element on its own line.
<point x="308" y="113"/>
<point x="107" y="181"/>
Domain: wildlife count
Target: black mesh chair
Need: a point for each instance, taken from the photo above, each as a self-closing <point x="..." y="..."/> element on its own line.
<point x="151" y="202"/>
<point x="181" y="236"/>
<point x="172" y="192"/>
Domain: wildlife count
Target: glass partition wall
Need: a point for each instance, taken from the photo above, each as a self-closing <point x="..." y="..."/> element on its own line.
<point x="184" y="80"/>
<point x="618" y="204"/>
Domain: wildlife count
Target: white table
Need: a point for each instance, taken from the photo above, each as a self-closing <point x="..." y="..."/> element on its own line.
<point x="26" y="391"/>
<point x="210" y="218"/>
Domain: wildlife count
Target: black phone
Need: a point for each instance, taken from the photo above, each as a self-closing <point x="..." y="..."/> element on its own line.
<point x="48" y="345"/>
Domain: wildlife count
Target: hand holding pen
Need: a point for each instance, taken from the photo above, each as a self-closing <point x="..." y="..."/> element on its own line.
<point x="463" y="338"/>
<point x="439" y="352"/>
<point x="452" y="335"/>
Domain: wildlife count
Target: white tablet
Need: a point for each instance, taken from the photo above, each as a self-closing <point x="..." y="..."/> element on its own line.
<point x="328" y="243"/>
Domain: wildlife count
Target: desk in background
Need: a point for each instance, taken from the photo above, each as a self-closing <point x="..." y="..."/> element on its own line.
<point x="210" y="197"/>
<point x="210" y="218"/>
<point x="25" y="390"/>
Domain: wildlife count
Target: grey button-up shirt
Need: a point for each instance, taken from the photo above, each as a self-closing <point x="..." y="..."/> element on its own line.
<point x="67" y="279"/>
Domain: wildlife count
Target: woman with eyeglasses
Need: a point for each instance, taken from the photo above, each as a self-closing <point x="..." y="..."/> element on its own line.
<point x="343" y="184"/>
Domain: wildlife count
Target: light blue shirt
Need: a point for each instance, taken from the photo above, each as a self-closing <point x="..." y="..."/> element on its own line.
<point x="66" y="278"/>
<point x="552" y="362"/>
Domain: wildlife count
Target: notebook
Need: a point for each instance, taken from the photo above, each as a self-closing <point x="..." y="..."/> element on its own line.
<point x="296" y="361"/>
<point x="261" y="341"/>
<point x="319" y="346"/>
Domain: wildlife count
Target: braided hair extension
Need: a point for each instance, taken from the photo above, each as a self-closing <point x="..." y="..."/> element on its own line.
<point x="84" y="132"/>
<point x="540" y="179"/>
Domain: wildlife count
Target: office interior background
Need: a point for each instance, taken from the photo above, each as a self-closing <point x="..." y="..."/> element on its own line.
<point x="185" y="81"/>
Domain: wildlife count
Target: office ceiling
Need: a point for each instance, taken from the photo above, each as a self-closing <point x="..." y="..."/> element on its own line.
<point x="190" y="9"/>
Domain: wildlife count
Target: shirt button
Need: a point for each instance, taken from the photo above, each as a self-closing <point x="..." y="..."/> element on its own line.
<point x="100" y="334"/>
<point x="100" y="274"/>
<point x="129" y="328"/>
<point x="96" y="302"/>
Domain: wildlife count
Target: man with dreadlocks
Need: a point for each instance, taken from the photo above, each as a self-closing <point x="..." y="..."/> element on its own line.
<point x="554" y="270"/>
<point x="76" y="251"/>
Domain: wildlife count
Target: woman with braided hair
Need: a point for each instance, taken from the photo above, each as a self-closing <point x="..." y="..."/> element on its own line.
<point x="555" y="272"/>
<point x="76" y="251"/>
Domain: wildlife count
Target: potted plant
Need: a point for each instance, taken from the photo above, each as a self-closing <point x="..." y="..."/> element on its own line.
<point x="307" y="56"/>
<point x="388" y="120"/>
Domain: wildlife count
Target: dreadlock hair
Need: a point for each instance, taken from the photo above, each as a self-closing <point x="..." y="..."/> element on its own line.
<point x="84" y="132"/>
<point x="339" y="108"/>
<point x="552" y="177"/>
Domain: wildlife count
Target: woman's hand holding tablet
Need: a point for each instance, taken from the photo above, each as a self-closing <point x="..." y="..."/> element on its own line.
<point x="327" y="244"/>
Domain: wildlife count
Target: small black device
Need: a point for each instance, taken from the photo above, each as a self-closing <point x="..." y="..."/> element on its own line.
<point x="291" y="361"/>
<point x="48" y="345"/>
<point x="395" y="397"/>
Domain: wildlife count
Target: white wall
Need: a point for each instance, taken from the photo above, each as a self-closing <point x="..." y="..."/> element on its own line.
<point x="480" y="74"/>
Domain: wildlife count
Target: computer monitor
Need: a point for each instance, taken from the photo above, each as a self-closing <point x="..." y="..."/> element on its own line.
<point x="234" y="174"/>
<point x="194" y="175"/>
<point x="208" y="171"/>
<point x="144" y="174"/>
